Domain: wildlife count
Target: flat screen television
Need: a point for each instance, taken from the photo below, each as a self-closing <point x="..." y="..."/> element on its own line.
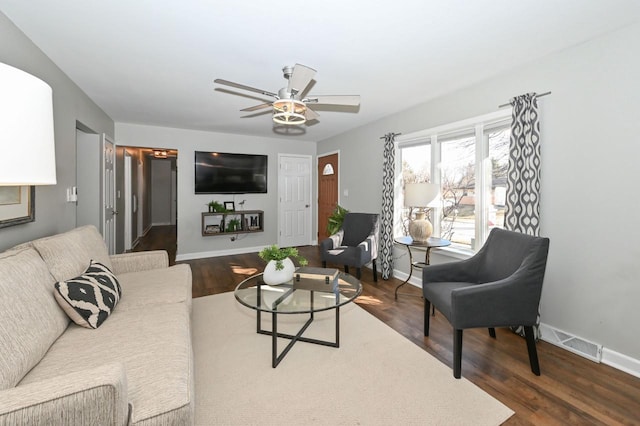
<point x="226" y="173"/>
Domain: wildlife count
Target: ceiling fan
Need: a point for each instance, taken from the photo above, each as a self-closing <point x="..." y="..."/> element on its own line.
<point x="290" y="107"/>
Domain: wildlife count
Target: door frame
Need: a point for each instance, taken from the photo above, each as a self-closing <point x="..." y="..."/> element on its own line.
<point x="109" y="195"/>
<point x="318" y="157"/>
<point x="310" y="214"/>
<point x="128" y="208"/>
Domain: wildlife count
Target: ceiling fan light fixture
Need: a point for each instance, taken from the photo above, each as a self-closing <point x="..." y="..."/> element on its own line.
<point x="289" y="112"/>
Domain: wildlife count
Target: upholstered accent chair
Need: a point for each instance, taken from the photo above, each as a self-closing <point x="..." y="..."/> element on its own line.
<point x="355" y="244"/>
<point x="500" y="286"/>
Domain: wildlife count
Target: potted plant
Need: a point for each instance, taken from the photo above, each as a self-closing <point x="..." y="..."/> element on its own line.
<point x="233" y="225"/>
<point x="335" y="220"/>
<point x="280" y="267"/>
<point x="216" y="207"/>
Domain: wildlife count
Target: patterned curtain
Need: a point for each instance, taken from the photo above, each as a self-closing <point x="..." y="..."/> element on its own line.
<point x="523" y="177"/>
<point x="386" y="218"/>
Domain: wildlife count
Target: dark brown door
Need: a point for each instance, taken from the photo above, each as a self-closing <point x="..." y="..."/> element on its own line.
<point x="327" y="191"/>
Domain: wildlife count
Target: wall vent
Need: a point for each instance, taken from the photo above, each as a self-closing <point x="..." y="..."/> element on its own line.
<point x="575" y="344"/>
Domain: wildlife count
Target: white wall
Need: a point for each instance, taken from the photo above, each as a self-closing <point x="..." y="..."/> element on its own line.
<point x="190" y="241"/>
<point x="70" y="105"/>
<point x="590" y="149"/>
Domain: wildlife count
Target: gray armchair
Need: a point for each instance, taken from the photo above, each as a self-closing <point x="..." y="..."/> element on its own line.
<point x="500" y="286"/>
<point x="355" y="244"/>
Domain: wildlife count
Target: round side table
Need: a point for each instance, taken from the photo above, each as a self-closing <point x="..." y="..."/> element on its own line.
<point x="408" y="243"/>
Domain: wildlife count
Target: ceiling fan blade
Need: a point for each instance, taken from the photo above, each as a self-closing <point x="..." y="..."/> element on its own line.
<point x="310" y="114"/>
<point x="300" y="78"/>
<point x="243" y="87"/>
<point x="350" y="100"/>
<point x="257" y="107"/>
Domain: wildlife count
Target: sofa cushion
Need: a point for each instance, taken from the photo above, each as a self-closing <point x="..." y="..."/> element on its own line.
<point x="156" y="286"/>
<point x="90" y="298"/>
<point x="30" y="318"/>
<point x="153" y="344"/>
<point x="68" y="254"/>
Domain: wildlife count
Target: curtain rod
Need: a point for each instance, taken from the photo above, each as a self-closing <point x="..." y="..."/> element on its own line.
<point x="538" y="96"/>
<point x="394" y="135"/>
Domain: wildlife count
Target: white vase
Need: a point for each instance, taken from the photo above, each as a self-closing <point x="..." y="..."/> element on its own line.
<point x="272" y="276"/>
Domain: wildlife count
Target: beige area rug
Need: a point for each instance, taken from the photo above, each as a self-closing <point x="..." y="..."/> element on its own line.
<point x="376" y="377"/>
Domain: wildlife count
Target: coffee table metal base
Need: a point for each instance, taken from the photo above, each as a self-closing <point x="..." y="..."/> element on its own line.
<point x="275" y="357"/>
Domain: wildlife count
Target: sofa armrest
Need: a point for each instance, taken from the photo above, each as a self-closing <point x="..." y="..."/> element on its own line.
<point x="139" y="261"/>
<point x="93" y="396"/>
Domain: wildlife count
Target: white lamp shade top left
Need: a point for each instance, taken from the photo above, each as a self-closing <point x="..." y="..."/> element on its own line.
<point x="26" y="129"/>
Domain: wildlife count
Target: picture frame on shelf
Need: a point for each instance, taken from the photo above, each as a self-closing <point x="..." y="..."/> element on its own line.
<point x="212" y="229"/>
<point x="230" y="206"/>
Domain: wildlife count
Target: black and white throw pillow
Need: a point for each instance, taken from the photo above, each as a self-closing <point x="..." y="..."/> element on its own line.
<point x="91" y="297"/>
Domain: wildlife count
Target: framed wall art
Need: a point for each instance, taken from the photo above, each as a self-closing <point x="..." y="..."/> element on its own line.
<point x="17" y="205"/>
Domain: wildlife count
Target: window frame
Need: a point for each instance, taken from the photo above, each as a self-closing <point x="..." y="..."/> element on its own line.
<point x="477" y="125"/>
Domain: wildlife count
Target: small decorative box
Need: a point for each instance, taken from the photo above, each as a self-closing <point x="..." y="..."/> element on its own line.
<point x="316" y="279"/>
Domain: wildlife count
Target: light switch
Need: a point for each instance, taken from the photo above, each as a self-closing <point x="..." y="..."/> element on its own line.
<point x="346" y="192"/>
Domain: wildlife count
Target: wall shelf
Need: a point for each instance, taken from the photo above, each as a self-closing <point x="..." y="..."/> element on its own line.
<point x="239" y="222"/>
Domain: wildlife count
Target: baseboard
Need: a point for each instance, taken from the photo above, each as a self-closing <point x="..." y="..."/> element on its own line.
<point x="602" y="355"/>
<point x="621" y="362"/>
<point x="161" y="224"/>
<point x="146" y="231"/>
<point x="416" y="278"/>
<point x="218" y="253"/>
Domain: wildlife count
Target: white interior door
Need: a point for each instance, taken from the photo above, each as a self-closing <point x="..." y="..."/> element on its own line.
<point x="109" y="193"/>
<point x="294" y="208"/>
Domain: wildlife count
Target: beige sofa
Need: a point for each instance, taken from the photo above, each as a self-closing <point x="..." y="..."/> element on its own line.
<point x="136" y="368"/>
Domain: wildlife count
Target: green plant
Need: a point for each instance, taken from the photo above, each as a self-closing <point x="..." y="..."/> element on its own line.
<point x="233" y="225"/>
<point x="336" y="219"/>
<point x="216" y="207"/>
<point x="279" y="254"/>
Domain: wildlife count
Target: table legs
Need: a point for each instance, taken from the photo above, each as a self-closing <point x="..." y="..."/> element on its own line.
<point x="410" y="272"/>
<point x="277" y="357"/>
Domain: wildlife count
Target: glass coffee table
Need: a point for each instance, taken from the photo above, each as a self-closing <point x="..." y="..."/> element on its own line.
<point x="284" y="299"/>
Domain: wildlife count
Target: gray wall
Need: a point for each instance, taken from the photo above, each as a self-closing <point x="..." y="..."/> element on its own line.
<point x="70" y="104"/>
<point x="160" y="191"/>
<point x="88" y="171"/>
<point x="590" y="150"/>
<point x="190" y="241"/>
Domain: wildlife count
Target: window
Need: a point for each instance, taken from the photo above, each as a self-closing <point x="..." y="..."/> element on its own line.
<point x="457" y="182"/>
<point x="469" y="161"/>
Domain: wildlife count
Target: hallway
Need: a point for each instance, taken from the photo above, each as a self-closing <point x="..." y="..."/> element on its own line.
<point x="162" y="237"/>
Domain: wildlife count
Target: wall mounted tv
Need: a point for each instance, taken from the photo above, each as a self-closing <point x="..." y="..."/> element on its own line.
<point x="226" y="173"/>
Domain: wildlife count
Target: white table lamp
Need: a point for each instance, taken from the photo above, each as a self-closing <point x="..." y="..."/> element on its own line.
<point x="420" y="195"/>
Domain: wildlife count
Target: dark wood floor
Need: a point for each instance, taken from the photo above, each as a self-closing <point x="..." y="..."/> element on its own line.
<point x="571" y="390"/>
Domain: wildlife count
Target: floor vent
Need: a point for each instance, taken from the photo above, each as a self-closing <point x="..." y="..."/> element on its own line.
<point x="573" y="344"/>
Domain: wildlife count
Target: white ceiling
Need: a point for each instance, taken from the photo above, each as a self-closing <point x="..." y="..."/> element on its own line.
<point x="152" y="62"/>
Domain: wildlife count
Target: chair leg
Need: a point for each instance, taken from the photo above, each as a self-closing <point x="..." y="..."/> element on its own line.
<point x="427" y="305"/>
<point x="375" y="272"/>
<point x="531" y="348"/>
<point x="346" y="269"/>
<point x="324" y="263"/>
<point x="358" y="273"/>
<point x="457" y="353"/>
<point x="492" y="332"/>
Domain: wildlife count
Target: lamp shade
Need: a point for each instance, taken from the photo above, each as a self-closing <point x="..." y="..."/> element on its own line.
<point x="26" y="129"/>
<point x="420" y="194"/>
